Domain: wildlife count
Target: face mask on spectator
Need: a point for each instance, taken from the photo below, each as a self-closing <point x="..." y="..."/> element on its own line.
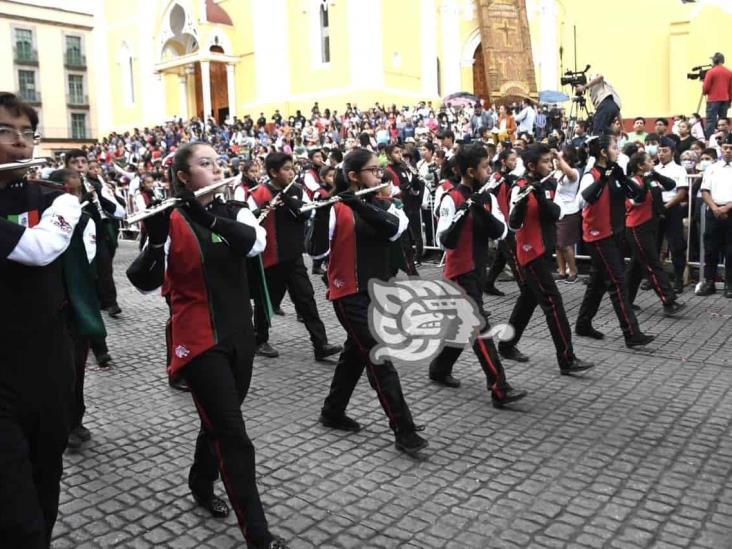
<point x="652" y="149"/>
<point x="704" y="164"/>
<point x="688" y="165"/>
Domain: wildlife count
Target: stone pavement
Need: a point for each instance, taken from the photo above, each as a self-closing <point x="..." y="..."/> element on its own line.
<point x="637" y="453"/>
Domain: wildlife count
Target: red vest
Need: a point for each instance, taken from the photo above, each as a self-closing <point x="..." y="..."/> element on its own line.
<point x="262" y="195"/>
<point x="192" y="330"/>
<point x="460" y="260"/>
<point x="596" y="221"/>
<point x="529" y="239"/>
<point x="502" y="193"/>
<point x="638" y="214"/>
<point x="342" y="268"/>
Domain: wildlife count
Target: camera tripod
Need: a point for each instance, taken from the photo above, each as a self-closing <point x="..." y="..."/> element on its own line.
<point x="578" y="111"/>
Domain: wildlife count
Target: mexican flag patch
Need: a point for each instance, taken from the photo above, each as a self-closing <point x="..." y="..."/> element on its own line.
<point x="25" y="219"/>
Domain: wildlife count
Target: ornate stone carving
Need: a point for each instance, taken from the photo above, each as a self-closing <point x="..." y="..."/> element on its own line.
<point x="506" y="42"/>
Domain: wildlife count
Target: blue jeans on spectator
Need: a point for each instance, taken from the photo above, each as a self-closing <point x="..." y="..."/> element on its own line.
<point x="606" y="112"/>
<point x="715" y="111"/>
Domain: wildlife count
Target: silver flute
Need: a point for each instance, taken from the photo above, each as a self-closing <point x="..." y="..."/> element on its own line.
<point x="276" y="201"/>
<point x="334" y="199"/>
<point x="29" y="163"/>
<point x="172" y="202"/>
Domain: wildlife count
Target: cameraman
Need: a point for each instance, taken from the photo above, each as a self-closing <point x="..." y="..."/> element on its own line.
<point x="718" y="89"/>
<point x="606" y="101"/>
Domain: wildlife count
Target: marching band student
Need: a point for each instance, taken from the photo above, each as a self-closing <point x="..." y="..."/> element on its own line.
<point x="355" y="234"/>
<point x="641" y="221"/>
<point x="36" y="363"/>
<point x="533" y="217"/>
<point x="84" y="313"/>
<point x="602" y="195"/>
<point x="282" y="258"/>
<point x="109" y="210"/>
<point x="502" y="183"/>
<point x="198" y="254"/>
<point x="467" y="220"/>
<point x="143" y="198"/>
<point x="716" y="189"/>
<point x="327" y="185"/>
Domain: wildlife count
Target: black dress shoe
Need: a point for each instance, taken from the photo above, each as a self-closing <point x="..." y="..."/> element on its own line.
<point x="507" y="397"/>
<point x="728" y="291"/>
<point x="509" y="352"/>
<point x="299" y="318"/>
<point x="317" y="271"/>
<point x="645" y="285"/>
<point x="707" y="288"/>
<point x="114" y="311"/>
<point x="279" y="312"/>
<point x="179" y="384"/>
<point x="679" y="286"/>
<point x="575" y="366"/>
<point x="213" y="504"/>
<point x="104" y="360"/>
<point x="447" y="381"/>
<point x="638" y="340"/>
<point x="276" y="543"/>
<point x="635" y="307"/>
<point x="83" y="433"/>
<point x="342" y="423"/>
<point x="327" y="350"/>
<point x="672" y="308"/>
<point x="588" y="331"/>
<point x="74" y="441"/>
<point x="410" y="443"/>
<point x="490" y="289"/>
<point x="265" y="349"/>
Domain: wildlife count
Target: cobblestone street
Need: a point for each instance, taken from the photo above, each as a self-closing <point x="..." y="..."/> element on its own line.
<point x="637" y="453"/>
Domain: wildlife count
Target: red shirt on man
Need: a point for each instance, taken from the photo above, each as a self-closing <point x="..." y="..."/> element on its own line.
<point x="718" y="84"/>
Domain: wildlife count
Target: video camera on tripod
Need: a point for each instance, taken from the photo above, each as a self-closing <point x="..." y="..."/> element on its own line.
<point x="575" y="78"/>
<point x="698" y="73"/>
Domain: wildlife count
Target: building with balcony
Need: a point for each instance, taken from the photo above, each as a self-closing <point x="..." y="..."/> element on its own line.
<point x="48" y="68"/>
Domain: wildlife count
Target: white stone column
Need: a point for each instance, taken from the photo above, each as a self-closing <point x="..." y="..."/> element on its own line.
<point x="429" y="48"/>
<point x="450" y="60"/>
<point x="231" y="89"/>
<point x="549" y="51"/>
<point x="206" y="88"/>
<point x="183" y="96"/>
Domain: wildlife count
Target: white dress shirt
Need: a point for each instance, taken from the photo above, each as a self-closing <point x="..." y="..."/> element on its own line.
<point x="718" y="181"/>
<point x="678" y="174"/>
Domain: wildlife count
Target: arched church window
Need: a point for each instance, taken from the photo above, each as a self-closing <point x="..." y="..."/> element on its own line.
<point x="324" y="33"/>
<point x="126" y="69"/>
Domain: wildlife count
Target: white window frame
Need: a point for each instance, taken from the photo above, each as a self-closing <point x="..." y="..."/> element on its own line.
<point x="85" y="114"/>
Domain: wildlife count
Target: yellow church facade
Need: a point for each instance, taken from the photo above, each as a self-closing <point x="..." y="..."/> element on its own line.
<point x="161" y="59"/>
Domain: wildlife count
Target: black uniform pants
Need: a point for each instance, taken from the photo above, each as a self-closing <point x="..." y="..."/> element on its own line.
<point x="36" y="399"/>
<point x="607" y="275"/>
<point x="483" y="347"/>
<point x="352" y="312"/>
<point x="536" y="277"/>
<point x="219" y="380"/>
<point x="505" y="254"/>
<point x="429" y="225"/>
<point x="671" y="227"/>
<point x="80" y="345"/>
<point x="291" y="276"/>
<point x="645" y="261"/>
<point x="106" y="290"/>
<point x="415" y="231"/>
<point x="717" y="239"/>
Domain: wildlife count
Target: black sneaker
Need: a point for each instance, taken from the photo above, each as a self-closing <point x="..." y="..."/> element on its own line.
<point x="213" y="504"/>
<point x="276" y="543"/>
<point x="327" y="350"/>
<point x="707" y="288"/>
<point x="179" y="384"/>
<point x="588" y="331"/>
<point x="74" y="441"/>
<point x="645" y="285"/>
<point x="635" y="307"/>
<point x="490" y="289"/>
<point x="638" y="340"/>
<point x="575" y="366"/>
<point x="114" y="311"/>
<point x="506" y="396"/>
<point x="447" y="381"/>
<point x="571" y="279"/>
<point x="83" y="433"/>
<point x="104" y="360"/>
<point x="410" y="443"/>
<point x="279" y="312"/>
<point x="342" y="423"/>
<point x="266" y="350"/>
<point x="728" y="291"/>
<point x="510" y="352"/>
<point x="672" y="308"/>
<point x="317" y="271"/>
